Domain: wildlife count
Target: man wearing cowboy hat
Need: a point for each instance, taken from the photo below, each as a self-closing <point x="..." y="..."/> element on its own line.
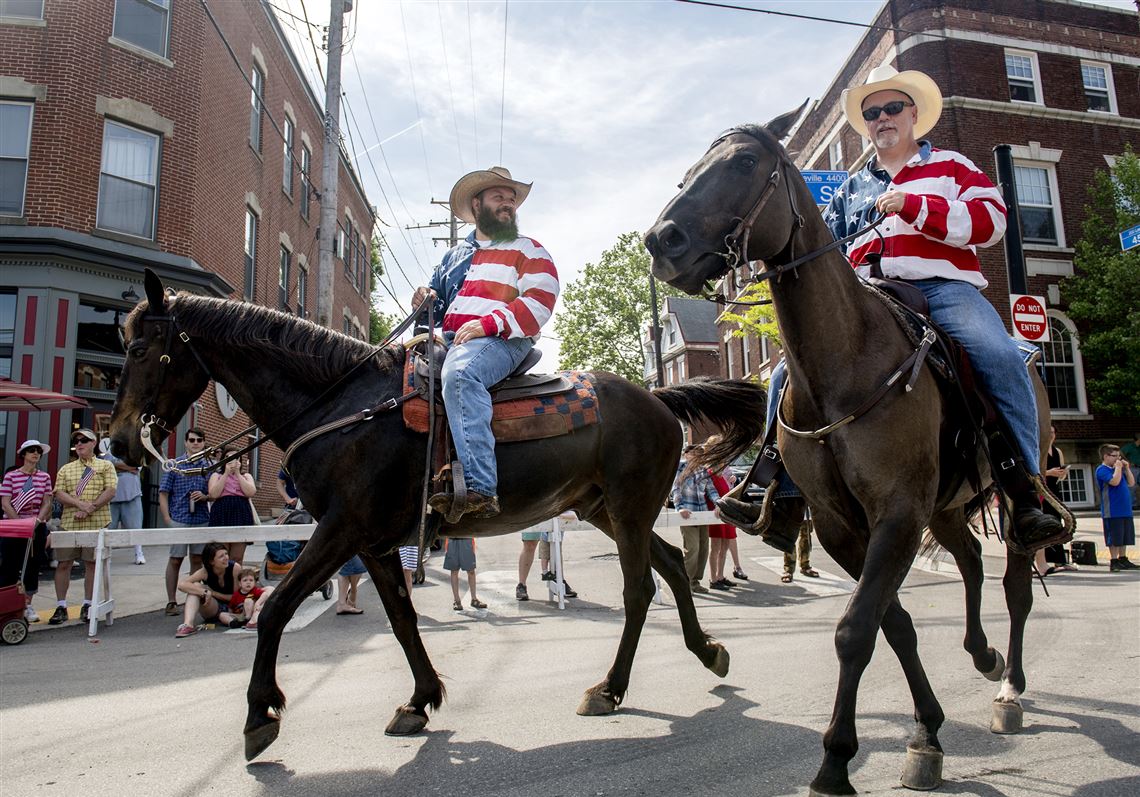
<point x="494" y="290"/>
<point x="940" y="207"/>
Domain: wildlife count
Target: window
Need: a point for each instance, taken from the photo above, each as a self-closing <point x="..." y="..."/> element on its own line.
<point x="99" y="348"/>
<point x="746" y="360"/>
<point x="1064" y="377"/>
<point x="359" y="277"/>
<point x="669" y="373"/>
<point x="15" y="140"/>
<point x="287" y="158"/>
<point x="339" y="243"/>
<point x="729" y="358"/>
<point x="143" y="23"/>
<point x="1099" y="91"/>
<point x="365" y="270"/>
<point x="302" y="291"/>
<point x="283" y="278"/>
<point x="23" y="9"/>
<point x="1021" y="71"/>
<point x="128" y="180"/>
<point x="256" y="94"/>
<point x="306" y="183"/>
<point x="1074" y="490"/>
<point x="835" y="153"/>
<point x="1036" y="198"/>
<point x="671" y="330"/>
<point x="7" y="336"/>
<point x="250" y="253"/>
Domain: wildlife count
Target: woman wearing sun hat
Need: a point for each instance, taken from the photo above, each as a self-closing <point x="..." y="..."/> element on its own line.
<point x="26" y="493"/>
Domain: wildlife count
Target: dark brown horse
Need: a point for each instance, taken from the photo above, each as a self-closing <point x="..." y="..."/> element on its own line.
<point x="364" y="486"/>
<point x="873" y="485"/>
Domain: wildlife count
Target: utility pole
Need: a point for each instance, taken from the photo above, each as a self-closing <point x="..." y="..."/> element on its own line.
<point x="452" y="224"/>
<point x="330" y="165"/>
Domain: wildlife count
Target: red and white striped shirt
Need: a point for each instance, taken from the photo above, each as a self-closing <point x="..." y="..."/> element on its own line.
<point x="951" y="208"/>
<point x="510" y="288"/>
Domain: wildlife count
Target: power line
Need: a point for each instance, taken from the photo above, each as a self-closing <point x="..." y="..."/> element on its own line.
<point x="313" y="42"/>
<point x="503" y="90"/>
<point x="811" y="18"/>
<point x="415" y="96"/>
<point x="313" y="82"/>
<point x="450" y="88"/>
<point x="471" y="69"/>
<point x="281" y="10"/>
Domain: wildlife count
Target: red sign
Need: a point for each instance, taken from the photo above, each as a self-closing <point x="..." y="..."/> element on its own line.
<point x="1029" y="319"/>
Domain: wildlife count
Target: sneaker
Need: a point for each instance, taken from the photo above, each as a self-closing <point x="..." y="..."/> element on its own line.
<point x="1127" y="563"/>
<point x="31" y="615"/>
<point x="85" y="613"/>
<point x="567" y="591"/>
<point x="738" y="574"/>
<point x="171" y="609"/>
<point x="58" y="616"/>
<point x="699" y="589"/>
<point x="718" y="585"/>
<point x="185" y="631"/>
<point x="140" y="560"/>
<point x="521" y="593"/>
<point x="549" y="576"/>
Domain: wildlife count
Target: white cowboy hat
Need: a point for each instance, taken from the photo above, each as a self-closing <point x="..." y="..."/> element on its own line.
<point x="471" y="185"/>
<point x="916" y="85"/>
<point x="32" y="444"/>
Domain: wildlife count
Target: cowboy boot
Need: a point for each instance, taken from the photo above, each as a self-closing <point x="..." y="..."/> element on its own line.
<point x="477" y="505"/>
<point x="777" y="519"/>
<point x="1031" y="528"/>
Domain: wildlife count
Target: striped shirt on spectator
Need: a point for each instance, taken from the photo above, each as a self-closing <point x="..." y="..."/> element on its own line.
<point x="27" y="503"/>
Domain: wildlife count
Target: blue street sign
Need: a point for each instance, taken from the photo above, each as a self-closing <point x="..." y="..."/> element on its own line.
<point x="823" y="184"/>
<point x="1130" y="238"/>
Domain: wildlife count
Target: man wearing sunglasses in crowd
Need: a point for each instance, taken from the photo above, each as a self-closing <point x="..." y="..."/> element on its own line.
<point x="85" y="486"/>
<point x="182" y="500"/>
<point x="939" y="208"/>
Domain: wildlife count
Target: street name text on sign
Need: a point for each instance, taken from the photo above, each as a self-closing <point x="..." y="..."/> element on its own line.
<point x="1130" y="238"/>
<point x="823" y="185"/>
<point x="1029" y="320"/>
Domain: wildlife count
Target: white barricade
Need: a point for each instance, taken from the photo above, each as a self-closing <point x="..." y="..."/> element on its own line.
<point x="103" y="602"/>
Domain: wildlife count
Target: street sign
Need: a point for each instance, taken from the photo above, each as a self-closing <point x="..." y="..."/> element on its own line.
<point x="823" y="184"/>
<point x="1130" y="238"/>
<point x="1029" y="320"/>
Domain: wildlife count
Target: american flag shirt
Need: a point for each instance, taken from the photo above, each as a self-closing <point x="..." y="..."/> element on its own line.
<point x="952" y="209"/>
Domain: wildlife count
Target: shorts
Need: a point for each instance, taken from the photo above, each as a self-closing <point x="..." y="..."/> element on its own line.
<point x="180" y="551"/>
<point x="460" y="555"/>
<point x="86" y="553"/>
<point x="1119" y="531"/>
<point x="353" y="567"/>
<point x="531" y="536"/>
<point x="410" y="556"/>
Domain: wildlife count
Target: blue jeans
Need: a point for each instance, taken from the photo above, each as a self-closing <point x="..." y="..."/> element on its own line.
<point x="961" y="310"/>
<point x="469" y="371"/>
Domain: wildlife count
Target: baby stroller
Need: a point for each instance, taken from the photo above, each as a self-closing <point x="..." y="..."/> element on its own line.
<point x="281" y="554"/>
<point x="13" y="625"/>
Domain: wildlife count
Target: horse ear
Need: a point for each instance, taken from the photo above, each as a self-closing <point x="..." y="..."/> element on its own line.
<point x="155" y="296"/>
<point x="780" y="126"/>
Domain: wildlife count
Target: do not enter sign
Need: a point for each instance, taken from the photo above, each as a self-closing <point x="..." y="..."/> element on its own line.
<point x="1029" y="319"/>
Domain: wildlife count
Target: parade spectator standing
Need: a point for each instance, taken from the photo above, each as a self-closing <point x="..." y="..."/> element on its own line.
<point x="230" y="491"/>
<point x="182" y="501"/>
<point x="538" y="542"/>
<point x="409" y="559"/>
<point x="1131" y="452"/>
<point x="126" y="506"/>
<point x="26" y="493"/>
<point x="348" y="585"/>
<point x="720" y="534"/>
<point x="460" y="555"/>
<point x="803" y="554"/>
<point x="690" y="493"/>
<point x="85" y="487"/>
<point x="1113" y="479"/>
<point x="1056" y="471"/>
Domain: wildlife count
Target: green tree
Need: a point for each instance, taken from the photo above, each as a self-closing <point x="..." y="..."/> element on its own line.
<point x="379" y="324"/>
<point x="1104" y="293"/>
<point x="754" y="320"/>
<point x="605" y="310"/>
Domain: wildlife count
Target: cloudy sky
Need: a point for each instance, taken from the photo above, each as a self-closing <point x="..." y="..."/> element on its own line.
<point x="603" y="105"/>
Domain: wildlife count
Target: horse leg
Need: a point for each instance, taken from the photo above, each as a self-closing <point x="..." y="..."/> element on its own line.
<point x="669" y="563"/>
<point x="328" y="547"/>
<point x="953" y="533"/>
<point x="1018" y="584"/>
<point x="637" y="591"/>
<point x="388" y="576"/>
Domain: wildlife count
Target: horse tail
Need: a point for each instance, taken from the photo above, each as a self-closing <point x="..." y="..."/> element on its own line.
<point x="735" y="406"/>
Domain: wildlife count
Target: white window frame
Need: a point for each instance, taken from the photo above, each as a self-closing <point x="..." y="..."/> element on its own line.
<point x="166" y="28"/>
<point x="1078" y="368"/>
<point x="156" y="166"/>
<point x="1039" y="96"/>
<point x="670" y="333"/>
<point x="256" y="107"/>
<point x="746" y="363"/>
<point x="10" y="17"/>
<point x="284" y="266"/>
<point x="1086" y="474"/>
<point x="835" y="153"/>
<point x="728" y="357"/>
<point x="306" y="182"/>
<point x="1112" y="109"/>
<point x="31" y="106"/>
<point x="1055" y="194"/>
<point x="288" y="133"/>
<point x="302" y="291"/>
<point x="249" y="264"/>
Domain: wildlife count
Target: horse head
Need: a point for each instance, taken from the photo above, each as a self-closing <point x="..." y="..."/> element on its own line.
<point x="161" y="378"/>
<point x="714" y="223"/>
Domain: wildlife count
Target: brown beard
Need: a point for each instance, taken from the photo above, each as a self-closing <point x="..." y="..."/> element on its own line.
<point x="495" y="229"/>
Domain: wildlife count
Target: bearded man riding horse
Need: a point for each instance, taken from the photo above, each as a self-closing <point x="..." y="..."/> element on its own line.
<point x="939" y="208"/>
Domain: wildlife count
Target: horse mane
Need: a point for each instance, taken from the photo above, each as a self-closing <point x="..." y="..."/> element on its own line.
<point x="756" y="131"/>
<point x="315" y="352"/>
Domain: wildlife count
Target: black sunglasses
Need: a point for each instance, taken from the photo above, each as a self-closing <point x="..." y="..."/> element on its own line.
<point x="33" y="450"/>
<point x="893" y="108"/>
<point x="195" y="440"/>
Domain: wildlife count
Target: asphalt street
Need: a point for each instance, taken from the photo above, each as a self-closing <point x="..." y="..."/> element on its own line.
<point x="138" y="712"/>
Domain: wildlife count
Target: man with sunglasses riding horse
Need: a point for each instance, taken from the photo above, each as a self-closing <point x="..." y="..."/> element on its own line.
<point x="494" y="291"/>
<point x="939" y="208"/>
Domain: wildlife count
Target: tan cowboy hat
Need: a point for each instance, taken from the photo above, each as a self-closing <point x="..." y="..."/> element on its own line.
<point x="916" y="85"/>
<point x="472" y="184"/>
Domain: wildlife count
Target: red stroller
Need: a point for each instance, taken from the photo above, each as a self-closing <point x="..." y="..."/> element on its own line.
<point x="13" y="625"/>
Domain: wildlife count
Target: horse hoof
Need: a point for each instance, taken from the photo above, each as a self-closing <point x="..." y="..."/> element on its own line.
<point x="407" y="722"/>
<point x="999" y="668"/>
<point x="923" y="769"/>
<point x="596" y="703"/>
<point x="720" y="661"/>
<point x="814" y="791"/>
<point x="259" y="738"/>
<point x="1007" y="718"/>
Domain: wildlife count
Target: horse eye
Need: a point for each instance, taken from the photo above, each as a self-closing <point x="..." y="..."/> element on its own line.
<point x="747" y="162"/>
<point x="138" y="352"/>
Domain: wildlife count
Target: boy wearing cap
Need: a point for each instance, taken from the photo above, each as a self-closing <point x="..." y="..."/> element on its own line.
<point x="85" y="486"/>
<point x="493" y="290"/>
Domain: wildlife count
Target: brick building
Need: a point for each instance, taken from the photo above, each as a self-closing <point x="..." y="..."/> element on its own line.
<point x="1055" y="79"/>
<point x="174" y="136"/>
<point x="689" y="348"/>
